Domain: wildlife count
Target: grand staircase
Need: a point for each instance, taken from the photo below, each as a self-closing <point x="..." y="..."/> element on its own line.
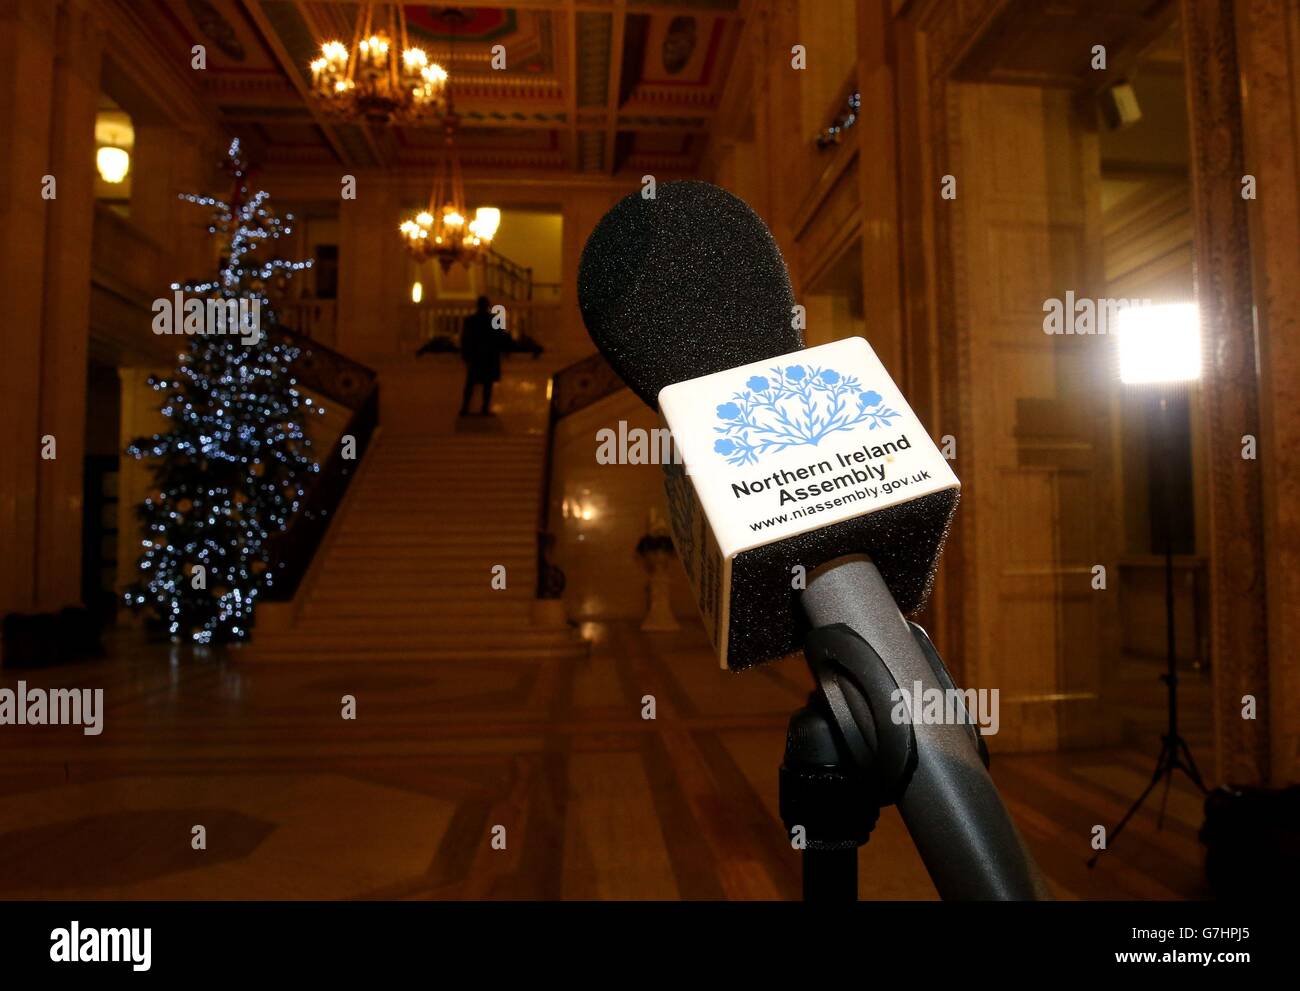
<point x="406" y="572"/>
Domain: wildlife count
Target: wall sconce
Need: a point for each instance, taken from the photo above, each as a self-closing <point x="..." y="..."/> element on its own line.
<point x="113" y="163"/>
<point x="114" y="139"/>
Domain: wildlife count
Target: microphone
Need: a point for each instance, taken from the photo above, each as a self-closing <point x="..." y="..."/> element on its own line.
<point x="682" y="285"/>
<point x="804" y="491"/>
<point x="788" y="460"/>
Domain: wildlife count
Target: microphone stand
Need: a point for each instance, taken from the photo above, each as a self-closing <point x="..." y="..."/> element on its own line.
<point x="846" y="755"/>
<point x="822" y="794"/>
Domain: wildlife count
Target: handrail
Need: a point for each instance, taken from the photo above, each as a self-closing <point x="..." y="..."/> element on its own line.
<point x="322" y="369"/>
<point x="572" y="388"/>
<point x="437" y="323"/>
<point x="582" y="383"/>
<point x="351" y="384"/>
<point x="509" y="277"/>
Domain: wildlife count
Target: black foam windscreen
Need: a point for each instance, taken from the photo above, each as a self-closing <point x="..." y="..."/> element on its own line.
<point x="690" y="283"/>
<point x="904" y="542"/>
<point x="684" y="284"/>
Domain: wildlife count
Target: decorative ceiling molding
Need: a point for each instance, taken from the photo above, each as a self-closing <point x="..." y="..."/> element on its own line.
<point x="609" y="82"/>
<point x="151" y="88"/>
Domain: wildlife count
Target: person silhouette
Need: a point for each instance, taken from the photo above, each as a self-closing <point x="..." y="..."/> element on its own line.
<point x="481" y="345"/>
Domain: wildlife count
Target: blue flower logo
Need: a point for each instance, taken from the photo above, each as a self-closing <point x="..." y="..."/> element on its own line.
<point x="793" y="407"/>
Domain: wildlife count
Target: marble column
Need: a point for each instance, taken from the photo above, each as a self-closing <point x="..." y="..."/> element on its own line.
<point x="139" y="418"/>
<point x="819" y="310"/>
<point x="877" y="140"/>
<point x="66" y="318"/>
<point x="371" y="269"/>
<point x="27" y="32"/>
<point x="1239" y="608"/>
<point x="583" y="209"/>
<point x="1270" y="71"/>
<point x="165" y="162"/>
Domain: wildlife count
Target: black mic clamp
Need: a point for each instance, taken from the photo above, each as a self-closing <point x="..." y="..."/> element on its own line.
<point x="846" y="756"/>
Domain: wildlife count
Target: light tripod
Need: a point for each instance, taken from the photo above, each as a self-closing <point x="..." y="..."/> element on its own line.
<point x="1175" y="754"/>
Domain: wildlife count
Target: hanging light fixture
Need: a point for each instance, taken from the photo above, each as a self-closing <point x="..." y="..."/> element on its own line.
<point x="375" y="80"/>
<point x="444" y="229"/>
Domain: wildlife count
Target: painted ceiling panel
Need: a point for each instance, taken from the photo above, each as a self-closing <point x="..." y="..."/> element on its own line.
<point x="559" y="61"/>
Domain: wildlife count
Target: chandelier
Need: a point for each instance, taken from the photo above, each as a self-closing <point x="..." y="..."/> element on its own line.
<point x="370" y="81"/>
<point x="444" y="230"/>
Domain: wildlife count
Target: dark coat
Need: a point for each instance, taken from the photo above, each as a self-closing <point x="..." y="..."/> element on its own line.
<point x="481" y="345"/>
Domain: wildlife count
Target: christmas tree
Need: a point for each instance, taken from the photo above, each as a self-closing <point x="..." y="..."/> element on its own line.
<point x="230" y="472"/>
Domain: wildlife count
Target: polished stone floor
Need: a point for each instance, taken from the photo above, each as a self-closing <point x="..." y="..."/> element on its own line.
<point x="404" y="801"/>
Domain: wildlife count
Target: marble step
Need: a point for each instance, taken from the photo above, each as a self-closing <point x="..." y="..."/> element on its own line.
<point x="416" y="629"/>
<point x="428" y="593"/>
<point x="417" y="556"/>
<point x="364" y="639"/>
<point x="381" y="655"/>
<point x="508" y="613"/>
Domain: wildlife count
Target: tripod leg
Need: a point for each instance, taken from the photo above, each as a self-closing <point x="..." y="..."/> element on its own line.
<point x="1164" y="799"/>
<point x="1190" y="766"/>
<point x="1112" y="837"/>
